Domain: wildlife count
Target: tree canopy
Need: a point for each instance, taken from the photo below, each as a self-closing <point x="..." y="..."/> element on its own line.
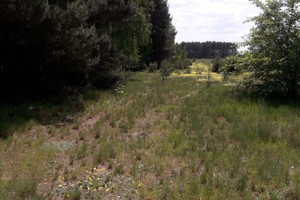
<point x="47" y="46"/>
<point x="274" y="49"/>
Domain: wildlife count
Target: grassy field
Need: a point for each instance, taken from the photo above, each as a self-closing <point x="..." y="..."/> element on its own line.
<point x="177" y="139"/>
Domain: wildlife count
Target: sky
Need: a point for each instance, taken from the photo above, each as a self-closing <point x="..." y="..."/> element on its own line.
<point x="211" y="20"/>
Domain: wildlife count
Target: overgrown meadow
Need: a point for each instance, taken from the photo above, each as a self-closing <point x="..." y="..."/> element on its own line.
<point x="189" y="137"/>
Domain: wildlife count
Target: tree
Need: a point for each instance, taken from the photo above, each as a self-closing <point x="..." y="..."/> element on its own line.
<point x="274" y="48"/>
<point x="217" y="63"/>
<point x="163" y="32"/>
<point x="49" y="45"/>
<point x="198" y="50"/>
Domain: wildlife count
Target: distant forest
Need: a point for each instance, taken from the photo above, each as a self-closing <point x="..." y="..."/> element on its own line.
<point x="199" y="50"/>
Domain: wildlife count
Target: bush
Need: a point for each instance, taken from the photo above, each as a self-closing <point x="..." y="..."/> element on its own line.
<point x="153" y="66"/>
<point x="166" y="69"/>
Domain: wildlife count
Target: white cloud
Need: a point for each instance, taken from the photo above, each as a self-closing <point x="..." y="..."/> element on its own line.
<point x="207" y="20"/>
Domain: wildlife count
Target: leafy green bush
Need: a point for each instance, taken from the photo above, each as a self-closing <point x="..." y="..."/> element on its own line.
<point x="166" y="69"/>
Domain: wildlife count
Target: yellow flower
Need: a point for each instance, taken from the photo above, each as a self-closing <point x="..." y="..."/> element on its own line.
<point x="72" y="185"/>
<point x="136" y="191"/>
<point x="107" y="190"/>
<point x="95" y="190"/>
<point x="100" y="188"/>
<point x="88" y="188"/>
<point x="95" y="169"/>
<point x="60" y="185"/>
<point x="103" y="169"/>
<point x="81" y="187"/>
<point x="68" y="195"/>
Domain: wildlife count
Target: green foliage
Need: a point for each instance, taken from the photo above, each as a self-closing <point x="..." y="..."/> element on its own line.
<point x="181" y="61"/>
<point x="73" y="195"/>
<point x="274" y="45"/>
<point x="81" y="153"/>
<point x="21" y="189"/>
<point x="78" y="43"/>
<point x="163" y="32"/>
<point x="106" y="152"/>
<point x="217" y="63"/>
<point x="166" y="69"/>
<point x="153" y="66"/>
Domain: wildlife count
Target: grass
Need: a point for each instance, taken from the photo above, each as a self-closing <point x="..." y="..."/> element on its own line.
<point x="177" y="139"/>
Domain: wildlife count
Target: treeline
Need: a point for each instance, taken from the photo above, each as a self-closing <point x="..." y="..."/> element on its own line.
<point x="52" y="46"/>
<point x="199" y="50"/>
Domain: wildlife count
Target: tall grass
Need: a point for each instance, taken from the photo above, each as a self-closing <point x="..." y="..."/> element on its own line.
<point x="181" y="139"/>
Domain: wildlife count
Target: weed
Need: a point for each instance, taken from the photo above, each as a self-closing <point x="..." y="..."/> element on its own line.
<point x="24" y="188"/>
<point x="75" y="126"/>
<point x="119" y="169"/>
<point x="97" y="134"/>
<point x="242" y="183"/>
<point x="81" y="153"/>
<point x="81" y="135"/>
<point x="105" y="153"/>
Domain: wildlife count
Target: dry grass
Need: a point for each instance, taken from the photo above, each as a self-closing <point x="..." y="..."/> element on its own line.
<point x="176" y="139"/>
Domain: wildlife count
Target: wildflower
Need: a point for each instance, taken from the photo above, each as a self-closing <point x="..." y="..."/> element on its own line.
<point x="103" y="169"/>
<point x="88" y="188"/>
<point x="80" y="187"/>
<point x="133" y="182"/>
<point x="105" y="186"/>
<point x="60" y="185"/>
<point x="68" y="195"/>
<point x="95" y="190"/>
<point x="136" y="191"/>
<point x="107" y="190"/>
<point x="95" y="169"/>
<point x="100" y="188"/>
<point x="72" y="185"/>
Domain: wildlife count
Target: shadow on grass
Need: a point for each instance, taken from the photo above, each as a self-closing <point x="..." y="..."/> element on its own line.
<point x="273" y="101"/>
<point x="21" y="116"/>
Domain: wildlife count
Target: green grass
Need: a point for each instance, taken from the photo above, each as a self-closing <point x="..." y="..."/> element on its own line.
<point x="176" y="139"/>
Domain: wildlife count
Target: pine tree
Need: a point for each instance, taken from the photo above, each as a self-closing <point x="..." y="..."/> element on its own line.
<point x="163" y="32"/>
